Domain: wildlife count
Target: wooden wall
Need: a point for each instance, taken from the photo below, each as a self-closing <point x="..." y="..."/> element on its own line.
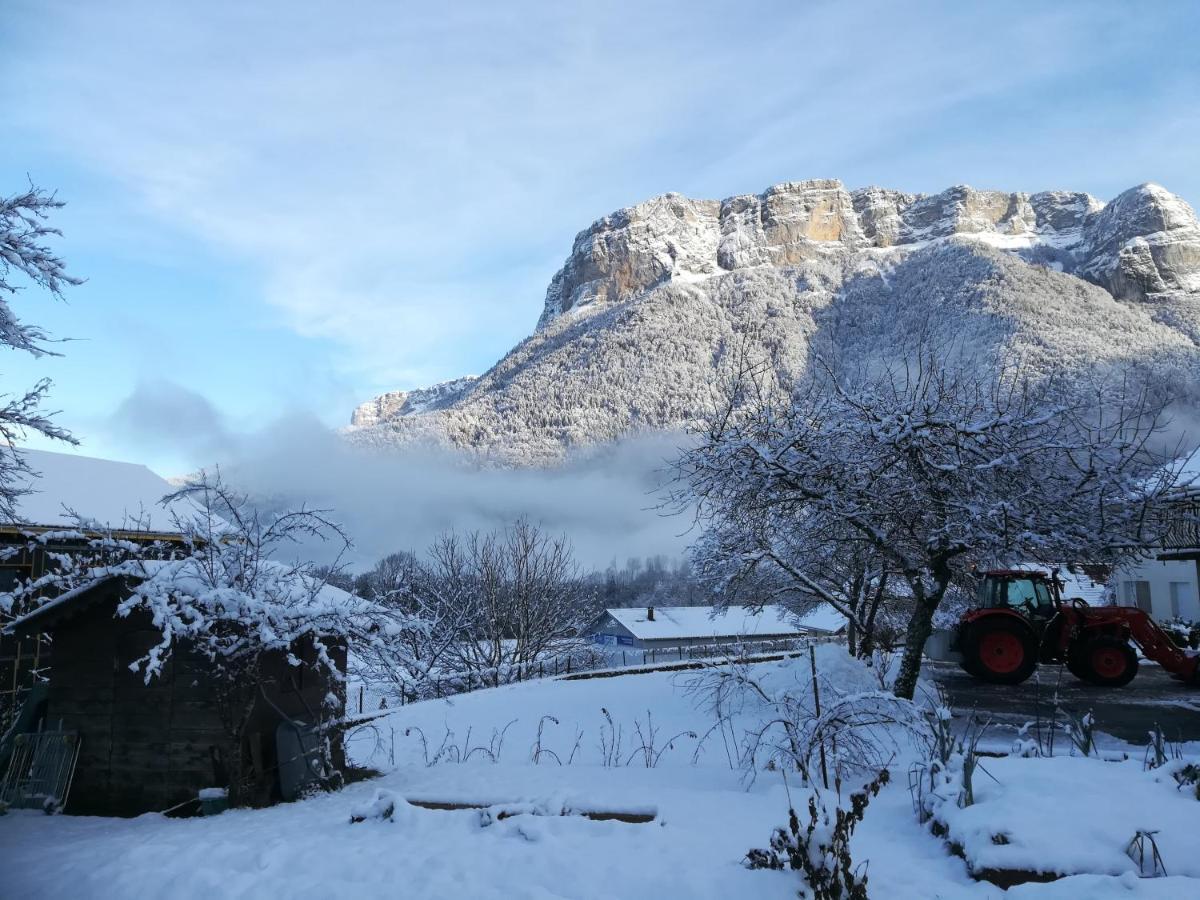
<point x="147" y="747"/>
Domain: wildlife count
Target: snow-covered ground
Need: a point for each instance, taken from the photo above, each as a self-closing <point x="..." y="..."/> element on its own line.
<point x="706" y="817"/>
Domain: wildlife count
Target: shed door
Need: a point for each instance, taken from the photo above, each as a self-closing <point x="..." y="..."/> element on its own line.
<point x="141" y="725"/>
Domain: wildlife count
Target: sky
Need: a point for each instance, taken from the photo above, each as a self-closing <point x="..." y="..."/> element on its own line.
<point x="284" y="208"/>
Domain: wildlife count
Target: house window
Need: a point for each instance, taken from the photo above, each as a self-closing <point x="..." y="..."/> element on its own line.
<point x="1136" y="593"/>
<point x="1180" y="591"/>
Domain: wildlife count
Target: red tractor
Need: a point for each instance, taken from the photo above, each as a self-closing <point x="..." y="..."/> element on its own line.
<point x="1021" y="619"/>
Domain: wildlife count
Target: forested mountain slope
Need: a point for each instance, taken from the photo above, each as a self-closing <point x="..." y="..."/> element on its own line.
<point x="655" y="298"/>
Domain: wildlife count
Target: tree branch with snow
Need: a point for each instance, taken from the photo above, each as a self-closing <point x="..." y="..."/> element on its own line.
<point x="920" y="473"/>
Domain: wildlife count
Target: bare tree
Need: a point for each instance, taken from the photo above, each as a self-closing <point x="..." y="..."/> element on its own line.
<point x="501" y="602"/>
<point x="919" y="473"/>
<point x="24" y="256"/>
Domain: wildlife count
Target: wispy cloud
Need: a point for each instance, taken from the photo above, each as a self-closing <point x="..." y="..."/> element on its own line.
<point x="610" y="502"/>
<point x="403" y="179"/>
<point x="167" y="418"/>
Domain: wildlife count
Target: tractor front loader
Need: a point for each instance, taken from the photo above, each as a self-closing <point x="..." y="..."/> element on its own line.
<point x="1021" y="620"/>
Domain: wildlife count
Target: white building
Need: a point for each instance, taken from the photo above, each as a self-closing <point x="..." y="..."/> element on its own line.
<point x="649" y="628"/>
<point x="1166" y="589"/>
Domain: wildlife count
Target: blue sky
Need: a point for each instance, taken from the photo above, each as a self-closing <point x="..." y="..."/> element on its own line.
<point x="284" y="208"/>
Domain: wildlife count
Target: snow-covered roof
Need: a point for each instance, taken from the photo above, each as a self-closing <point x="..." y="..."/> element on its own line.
<point x="1079" y="584"/>
<point x="678" y="622"/>
<point x="104" y="491"/>
<point x="288" y="592"/>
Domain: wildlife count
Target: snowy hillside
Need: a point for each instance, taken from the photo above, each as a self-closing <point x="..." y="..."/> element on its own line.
<point x="654" y="298"/>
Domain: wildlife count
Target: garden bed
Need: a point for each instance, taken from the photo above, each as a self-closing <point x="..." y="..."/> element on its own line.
<point x="1040" y="819"/>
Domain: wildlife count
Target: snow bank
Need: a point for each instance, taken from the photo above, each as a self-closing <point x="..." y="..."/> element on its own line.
<point x="1072" y="815"/>
<point x="705" y="816"/>
<point x="596" y="712"/>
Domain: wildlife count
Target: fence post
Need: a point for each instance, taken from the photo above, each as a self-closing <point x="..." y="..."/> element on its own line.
<point x="360" y="699"/>
<point x="568" y="665"/>
<point x="622" y="657"/>
<point x="812" y="659"/>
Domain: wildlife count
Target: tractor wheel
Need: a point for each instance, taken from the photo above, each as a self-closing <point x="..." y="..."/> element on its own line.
<point x="1107" y="661"/>
<point x="1001" y="651"/>
<point x="970" y="666"/>
<point x="1075" y="664"/>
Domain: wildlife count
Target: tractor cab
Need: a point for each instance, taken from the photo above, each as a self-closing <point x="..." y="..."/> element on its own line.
<point x="1033" y="594"/>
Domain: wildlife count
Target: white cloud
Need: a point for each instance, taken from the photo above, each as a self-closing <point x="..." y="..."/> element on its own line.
<point x="403" y="179"/>
<point x="608" y="504"/>
<point x="608" y="501"/>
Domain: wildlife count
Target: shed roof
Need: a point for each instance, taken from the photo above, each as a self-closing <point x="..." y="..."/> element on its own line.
<point x="65" y="605"/>
<point x="300" y="593"/>
<point x="679" y="622"/>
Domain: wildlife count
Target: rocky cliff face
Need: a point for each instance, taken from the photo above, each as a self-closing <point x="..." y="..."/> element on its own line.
<point x="651" y="296"/>
<point x="1144" y="243"/>
<point x="409" y="403"/>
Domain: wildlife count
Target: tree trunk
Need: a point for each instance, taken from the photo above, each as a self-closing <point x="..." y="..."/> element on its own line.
<point x="920" y="626"/>
<point x="867" y="644"/>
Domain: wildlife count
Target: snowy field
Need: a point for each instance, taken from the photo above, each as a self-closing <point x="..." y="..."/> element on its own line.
<point x="1062" y="814"/>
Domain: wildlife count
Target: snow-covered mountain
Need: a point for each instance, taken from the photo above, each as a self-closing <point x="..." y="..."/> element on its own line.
<point x="653" y="298"/>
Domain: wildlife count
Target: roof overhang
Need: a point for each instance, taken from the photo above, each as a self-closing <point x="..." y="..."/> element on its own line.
<point x="135" y="536"/>
<point x="65" y="606"/>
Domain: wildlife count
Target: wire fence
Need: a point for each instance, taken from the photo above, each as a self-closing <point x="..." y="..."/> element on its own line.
<point x="364" y="698"/>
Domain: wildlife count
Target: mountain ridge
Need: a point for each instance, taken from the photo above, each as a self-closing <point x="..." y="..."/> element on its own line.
<point x="638" y="319"/>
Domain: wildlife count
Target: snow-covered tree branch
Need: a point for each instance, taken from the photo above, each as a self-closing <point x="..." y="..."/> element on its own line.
<point x="24" y="256"/>
<point x="225" y="588"/>
<point x="919" y="473"/>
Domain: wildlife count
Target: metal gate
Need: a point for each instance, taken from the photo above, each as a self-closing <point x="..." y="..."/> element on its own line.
<point x="40" y="771"/>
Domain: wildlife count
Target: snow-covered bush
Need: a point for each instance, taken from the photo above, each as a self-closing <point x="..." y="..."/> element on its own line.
<point x="1160" y="751"/>
<point x="828" y="726"/>
<point x="1081" y="730"/>
<point x="947" y="773"/>
<point x="821" y="849"/>
<point x="1183" y="632"/>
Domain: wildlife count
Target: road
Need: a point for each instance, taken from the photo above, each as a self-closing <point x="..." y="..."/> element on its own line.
<point x="1127" y="713"/>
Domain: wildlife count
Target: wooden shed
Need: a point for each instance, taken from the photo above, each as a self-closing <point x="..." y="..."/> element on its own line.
<point x="150" y="746"/>
<point x="28" y="553"/>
